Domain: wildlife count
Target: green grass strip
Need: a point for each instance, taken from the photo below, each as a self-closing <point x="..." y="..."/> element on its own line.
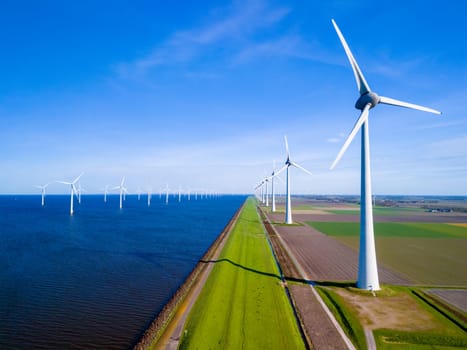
<point x="390" y="339"/>
<point x="243" y="304"/>
<point x="380" y="211"/>
<point x="393" y="229"/>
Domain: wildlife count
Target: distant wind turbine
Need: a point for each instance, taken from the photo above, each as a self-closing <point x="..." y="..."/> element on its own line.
<point x="149" y="197"/>
<point x="73" y="190"/>
<point x="273" y="193"/>
<point x="80" y="191"/>
<point x="42" y="188"/>
<point x="288" y="164"/>
<point x="106" y="190"/>
<point x="367" y="266"/>
<point x="122" y="190"/>
<point x="166" y="190"/>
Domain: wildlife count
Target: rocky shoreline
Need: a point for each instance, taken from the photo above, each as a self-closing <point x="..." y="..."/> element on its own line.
<point x="158" y="326"/>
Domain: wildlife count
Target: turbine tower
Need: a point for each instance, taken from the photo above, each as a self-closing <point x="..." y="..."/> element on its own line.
<point x="367" y="266"/>
<point x="42" y="188"/>
<point x="73" y="190"/>
<point x="288" y="164"/>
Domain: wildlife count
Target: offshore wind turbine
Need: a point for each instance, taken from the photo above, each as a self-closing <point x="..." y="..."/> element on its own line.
<point x="149" y="197"/>
<point x="122" y="190"/>
<point x="367" y="266"/>
<point x="73" y="190"/>
<point x="80" y="191"/>
<point x="166" y="189"/>
<point x="106" y="190"/>
<point x="288" y="164"/>
<point x="42" y="188"/>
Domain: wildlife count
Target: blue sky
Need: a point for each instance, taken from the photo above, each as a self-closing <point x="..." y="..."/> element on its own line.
<point x="200" y="94"/>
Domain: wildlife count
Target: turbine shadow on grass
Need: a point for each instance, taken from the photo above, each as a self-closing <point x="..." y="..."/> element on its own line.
<point x="242" y="267"/>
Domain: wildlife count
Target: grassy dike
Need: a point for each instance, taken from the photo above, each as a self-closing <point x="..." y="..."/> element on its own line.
<point x="243" y="304"/>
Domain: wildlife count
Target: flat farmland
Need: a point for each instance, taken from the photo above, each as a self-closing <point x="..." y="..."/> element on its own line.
<point x="426" y="253"/>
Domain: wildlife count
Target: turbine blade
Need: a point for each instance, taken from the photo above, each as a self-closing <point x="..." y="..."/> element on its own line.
<point x="286" y="146"/>
<point x="64" y="182"/>
<point x="115" y="188"/>
<point x="391" y="101"/>
<point x="280" y="179"/>
<point x="280" y="170"/>
<point x="300" y="167"/>
<point x="363" y="117"/>
<point x="123" y="180"/>
<point x="75" y="180"/>
<point x="362" y="85"/>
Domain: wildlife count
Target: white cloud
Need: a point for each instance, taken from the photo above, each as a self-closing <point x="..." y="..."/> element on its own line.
<point x="243" y="19"/>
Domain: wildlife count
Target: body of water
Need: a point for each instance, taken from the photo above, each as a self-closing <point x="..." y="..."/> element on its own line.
<point x="96" y="280"/>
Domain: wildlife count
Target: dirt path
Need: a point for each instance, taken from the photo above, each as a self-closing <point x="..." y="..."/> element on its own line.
<point x="320" y="326"/>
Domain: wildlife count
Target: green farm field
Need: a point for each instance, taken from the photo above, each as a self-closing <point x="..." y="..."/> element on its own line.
<point x="243" y="304"/>
<point x="378" y="211"/>
<point x="426" y="253"/>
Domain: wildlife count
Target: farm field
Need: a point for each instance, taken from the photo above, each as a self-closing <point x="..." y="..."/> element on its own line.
<point x="426" y="253"/>
<point x="243" y="304"/>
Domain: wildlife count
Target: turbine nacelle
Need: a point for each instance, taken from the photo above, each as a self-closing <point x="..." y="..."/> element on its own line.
<point x="370" y="98"/>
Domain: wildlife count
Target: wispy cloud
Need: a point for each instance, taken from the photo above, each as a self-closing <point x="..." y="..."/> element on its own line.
<point x="241" y="20"/>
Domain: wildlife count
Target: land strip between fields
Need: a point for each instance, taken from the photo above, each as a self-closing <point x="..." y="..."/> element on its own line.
<point x="320" y="326"/>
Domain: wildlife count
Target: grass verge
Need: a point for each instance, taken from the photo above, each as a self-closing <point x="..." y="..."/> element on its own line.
<point x="243" y="304"/>
<point x="344" y="315"/>
<point x="431" y="328"/>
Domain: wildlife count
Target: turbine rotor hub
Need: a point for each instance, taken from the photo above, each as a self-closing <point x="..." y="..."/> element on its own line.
<point x="368" y="98"/>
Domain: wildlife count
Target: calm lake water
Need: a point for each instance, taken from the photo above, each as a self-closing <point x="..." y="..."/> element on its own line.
<point x="97" y="279"/>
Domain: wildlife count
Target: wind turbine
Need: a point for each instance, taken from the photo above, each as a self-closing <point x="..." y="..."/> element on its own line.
<point x="273" y="193"/>
<point x="149" y="197"/>
<point x="288" y="164"/>
<point x="166" y="189"/>
<point x="122" y="190"/>
<point x="266" y="180"/>
<point x="43" y="192"/>
<point x="73" y="190"/>
<point x="106" y="190"/>
<point x="367" y="266"/>
<point x="139" y="193"/>
<point x="80" y="191"/>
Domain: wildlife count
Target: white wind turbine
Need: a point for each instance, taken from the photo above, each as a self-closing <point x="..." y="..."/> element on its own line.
<point x="106" y="191"/>
<point x="273" y="193"/>
<point x="80" y="191"/>
<point x="42" y="188"/>
<point x="122" y="190"/>
<point x="166" y="190"/>
<point x="288" y="164"/>
<point x="367" y="266"/>
<point x="73" y="190"/>
<point x="139" y="193"/>
<point x="149" y="197"/>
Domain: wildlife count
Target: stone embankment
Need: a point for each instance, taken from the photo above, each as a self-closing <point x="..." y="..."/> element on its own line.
<point x="160" y="323"/>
